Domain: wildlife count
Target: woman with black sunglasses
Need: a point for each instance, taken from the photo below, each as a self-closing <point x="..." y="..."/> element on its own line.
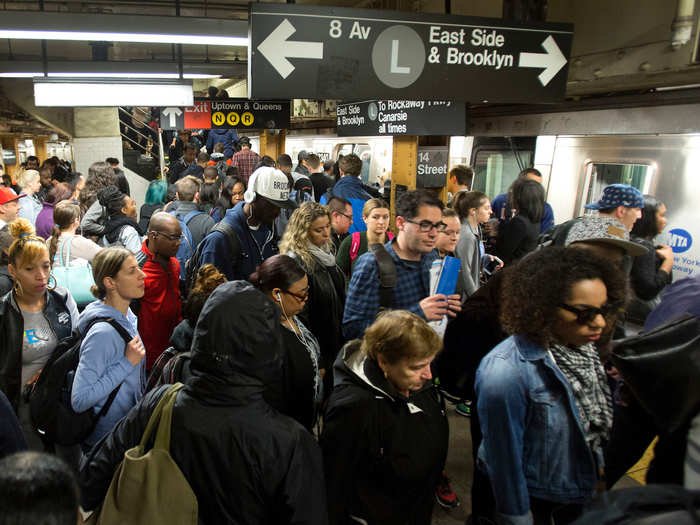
<point x="544" y="404"/>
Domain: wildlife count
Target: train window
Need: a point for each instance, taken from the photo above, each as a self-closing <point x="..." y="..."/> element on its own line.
<point x="495" y="171"/>
<point x="600" y="174"/>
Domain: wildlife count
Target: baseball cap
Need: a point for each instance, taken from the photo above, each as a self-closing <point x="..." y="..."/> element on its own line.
<point x="618" y="195"/>
<point x="271" y="184"/>
<point x="605" y="230"/>
<point x="8" y="194"/>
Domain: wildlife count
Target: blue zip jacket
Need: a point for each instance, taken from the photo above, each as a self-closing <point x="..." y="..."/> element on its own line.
<point x="103" y="366"/>
<point x="216" y="249"/>
<point x="350" y="188"/>
<point x="228" y="136"/>
<point x="533" y="444"/>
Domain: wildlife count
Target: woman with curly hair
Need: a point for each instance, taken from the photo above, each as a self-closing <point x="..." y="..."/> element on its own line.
<point x="543" y="400"/>
<point x="121" y="228"/>
<point x="308" y="240"/>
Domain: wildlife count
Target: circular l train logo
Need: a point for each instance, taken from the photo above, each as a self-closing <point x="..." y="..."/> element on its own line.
<point x="681" y="240"/>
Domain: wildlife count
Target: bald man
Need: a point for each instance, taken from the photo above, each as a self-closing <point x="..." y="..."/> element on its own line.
<point x="160" y="308"/>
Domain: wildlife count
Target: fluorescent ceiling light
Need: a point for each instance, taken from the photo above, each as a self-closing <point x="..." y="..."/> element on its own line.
<point x="133" y="28"/>
<point x="64" y="93"/>
<point x="125" y="37"/>
<point x="186" y="76"/>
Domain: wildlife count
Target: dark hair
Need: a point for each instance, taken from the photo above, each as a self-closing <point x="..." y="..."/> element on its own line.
<point x="267" y="161"/>
<point x="212" y="91"/>
<point x="527" y="197"/>
<point x="328" y="165"/>
<point x="224" y="201"/>
<point x="202" y="157"/>
<point x="219" y="147"/>
<point x="190" y="147"/>
<point x="208" y="278"/>
<point x="464" y="175"/>
<point x="171" y="193"/>
<point x="351" y="165"/>
<point x="313" y="160"/>
<point x="112" y="199"/>
<point x="302" y="155"/>
<point x="121" y="182"/>
<point x="73" y="180"/>
<point x="646" y="227"/>
<point x="112" y="160"/>
<point x="33" y="158"/>
<point x="537" y="284"/>
<point x="232" y="171"/>
<point x="338" y="204"/>
<point x="64" y="214"/>
<point x="208" y="193"/>
<point x="279" y="271"/>
<point x="6" y="240"/>
<point x="284" y="160"/>
<point x="100" y="175"/>
<point x="210" y="172"/>
<point x="467" y="200"/>
<point x="60" y="192"/>
<point x="408" y="204"/>
<point x="525" y="172"/>
<point x="37" y="488"/>
<point x="449" y="212"/>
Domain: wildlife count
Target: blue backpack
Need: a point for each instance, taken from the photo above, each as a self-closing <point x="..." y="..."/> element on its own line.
<point x="187" y="246"/>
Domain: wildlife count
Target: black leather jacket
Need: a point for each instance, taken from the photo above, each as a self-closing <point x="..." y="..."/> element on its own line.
<point x="59" y="310"/>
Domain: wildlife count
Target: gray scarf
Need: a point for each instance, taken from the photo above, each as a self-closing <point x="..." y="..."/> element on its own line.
<point x="583" y="370"/>
<point x="325" y="258"/>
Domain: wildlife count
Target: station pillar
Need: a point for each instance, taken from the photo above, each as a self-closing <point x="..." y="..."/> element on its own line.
<point x="404" y="165"/>
<point x="273" y="144"/>
<point x="96" y="137"/>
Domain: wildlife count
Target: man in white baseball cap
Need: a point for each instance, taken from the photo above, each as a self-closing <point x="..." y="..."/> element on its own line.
<point x="251" y="222"/>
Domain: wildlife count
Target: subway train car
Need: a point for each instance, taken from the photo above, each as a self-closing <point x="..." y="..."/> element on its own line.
<point x="654" y="148"/>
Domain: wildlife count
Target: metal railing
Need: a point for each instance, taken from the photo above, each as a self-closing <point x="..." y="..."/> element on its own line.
<point x="147" y="149"/>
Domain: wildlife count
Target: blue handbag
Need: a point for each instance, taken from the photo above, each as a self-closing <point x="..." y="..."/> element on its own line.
<point x="76" y="279"/>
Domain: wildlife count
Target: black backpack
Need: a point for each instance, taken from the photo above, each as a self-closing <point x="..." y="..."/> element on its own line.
<point x="50" y="398"/>
<point x="557" y="234"/>
<point x="194" y="262"/>
<point x="387" y="275"/>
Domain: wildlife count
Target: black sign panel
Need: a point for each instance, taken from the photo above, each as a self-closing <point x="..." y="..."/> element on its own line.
<point x="245" y="113"/>
<point x="352" y="54"/>
<point x="401" y="117"/>
<point x="431" y="168"/>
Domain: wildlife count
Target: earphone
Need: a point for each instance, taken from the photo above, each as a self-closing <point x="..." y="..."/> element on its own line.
<point x="279" y="298"/>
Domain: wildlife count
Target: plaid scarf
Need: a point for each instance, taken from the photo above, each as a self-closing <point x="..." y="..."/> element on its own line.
<point x="583" y="370"/>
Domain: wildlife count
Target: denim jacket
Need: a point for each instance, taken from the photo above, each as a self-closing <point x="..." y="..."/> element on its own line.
<point x="534" y="445"/>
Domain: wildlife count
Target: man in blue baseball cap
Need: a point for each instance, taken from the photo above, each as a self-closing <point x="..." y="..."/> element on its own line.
<point x="620" y="201"/>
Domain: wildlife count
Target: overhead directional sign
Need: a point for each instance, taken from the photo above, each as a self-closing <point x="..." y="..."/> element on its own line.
<point x="353" y="54"/>
<point x="401" y="117"/>
<point x="228" y="113"/>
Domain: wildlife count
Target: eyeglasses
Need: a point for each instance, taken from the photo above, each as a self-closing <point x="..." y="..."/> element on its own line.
<point x="302" y="297"/>
<point x="169" y="236"/>
<point x="345" y="215"/>
<point x="451" y="233"/>
<point x="426" y="226"/>
<point x="587" y="314"/>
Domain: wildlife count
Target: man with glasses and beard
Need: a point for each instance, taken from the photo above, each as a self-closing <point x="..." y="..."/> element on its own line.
<point x="418" y="221"/>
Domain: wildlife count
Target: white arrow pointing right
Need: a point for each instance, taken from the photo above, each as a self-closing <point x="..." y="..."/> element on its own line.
<point x="277" y="49"/>
<point x="173" y="113"/>
<point x="552" y="61"/>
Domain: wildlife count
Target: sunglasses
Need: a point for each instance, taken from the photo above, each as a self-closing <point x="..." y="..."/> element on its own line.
<point x="587" y="314"/>
<point x="426" y="226"/>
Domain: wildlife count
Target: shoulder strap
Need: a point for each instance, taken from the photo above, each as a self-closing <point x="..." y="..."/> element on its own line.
<point x="191" y="215"/>
<point x="164" y="407"/>
<point x="387" y="274"/>
<point x="354" y="246"/>
<point x="230" y="234"/>
<point x="59" y="253"/>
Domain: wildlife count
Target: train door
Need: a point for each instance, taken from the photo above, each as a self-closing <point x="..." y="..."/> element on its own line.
<point x="498" y="160"/>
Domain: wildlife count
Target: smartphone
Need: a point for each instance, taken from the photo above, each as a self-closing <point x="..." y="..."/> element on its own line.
<point x="492" y="265"/>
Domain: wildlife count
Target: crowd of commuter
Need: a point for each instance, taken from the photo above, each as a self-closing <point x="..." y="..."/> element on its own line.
<point x="316" y="346"/>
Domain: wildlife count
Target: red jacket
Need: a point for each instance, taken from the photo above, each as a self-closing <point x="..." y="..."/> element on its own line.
<point x="161" y="306"/>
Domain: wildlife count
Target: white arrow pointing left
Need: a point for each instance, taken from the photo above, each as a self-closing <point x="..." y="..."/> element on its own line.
<point x="552" y="61"/>
<point x="173" y="113"/>
<point x="277" y="49"/>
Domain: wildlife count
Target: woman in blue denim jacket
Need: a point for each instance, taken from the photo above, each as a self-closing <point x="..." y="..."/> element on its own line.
<point x="544" y="404"/>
